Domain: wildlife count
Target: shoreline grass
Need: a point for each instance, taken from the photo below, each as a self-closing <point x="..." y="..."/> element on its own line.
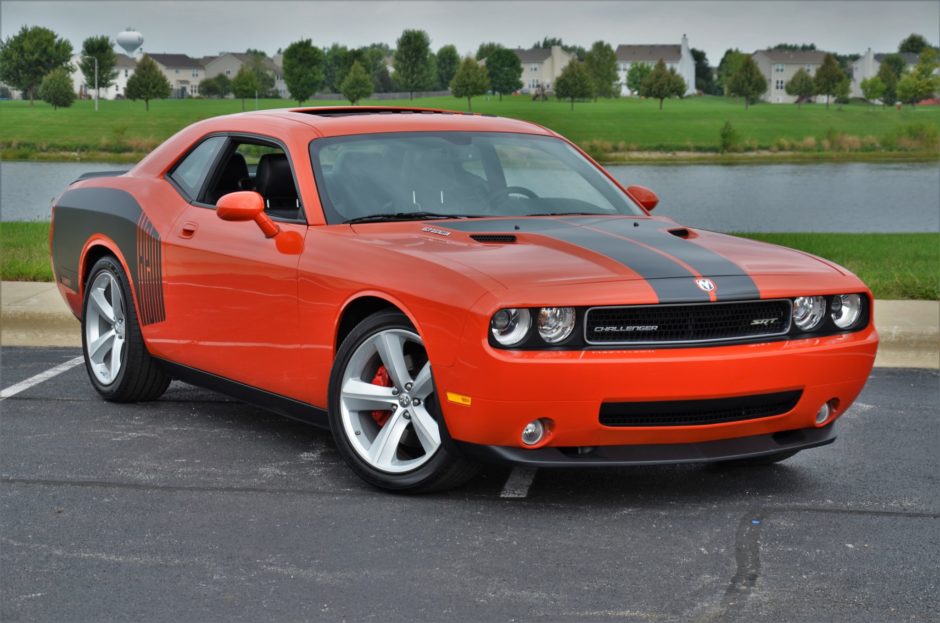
<point x="613" y="130"/>
<point x="895" y="266"/>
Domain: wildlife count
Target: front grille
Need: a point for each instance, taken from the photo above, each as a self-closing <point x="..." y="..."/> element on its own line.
<point x="677" y="324"/>
<point x="698" y="412"/>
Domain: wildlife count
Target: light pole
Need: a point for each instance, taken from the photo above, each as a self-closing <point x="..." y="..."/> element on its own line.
<point x="95" y="58"/>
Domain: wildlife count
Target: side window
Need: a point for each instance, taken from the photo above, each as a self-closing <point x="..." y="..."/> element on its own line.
<point x="190" y="173"/>
<point x="262" y="167"/>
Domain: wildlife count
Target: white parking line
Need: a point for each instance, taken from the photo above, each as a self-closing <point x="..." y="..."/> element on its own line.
<point x="518" y="483"/>
<point x="13" y="390"/>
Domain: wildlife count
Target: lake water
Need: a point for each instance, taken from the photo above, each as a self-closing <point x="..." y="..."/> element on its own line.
<point x="852" y="197"/>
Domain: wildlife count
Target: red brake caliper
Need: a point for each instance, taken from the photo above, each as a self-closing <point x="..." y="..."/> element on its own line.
<point x="382" y="379"/>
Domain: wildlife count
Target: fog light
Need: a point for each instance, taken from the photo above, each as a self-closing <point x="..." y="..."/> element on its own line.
<point x="823" y="414"/>
<point x="533" y="432"/>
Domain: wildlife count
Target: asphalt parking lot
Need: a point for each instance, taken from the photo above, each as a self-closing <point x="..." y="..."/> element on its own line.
<point x="197" y="508"/>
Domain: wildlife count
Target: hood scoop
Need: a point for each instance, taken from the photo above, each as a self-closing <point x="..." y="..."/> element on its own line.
<point x="494" y="238"/>
<point x="680" y="232"/>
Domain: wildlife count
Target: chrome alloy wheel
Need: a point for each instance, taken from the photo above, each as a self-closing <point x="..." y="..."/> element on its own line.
<point x="390" y="427"/>
<point x="105" y="327"/>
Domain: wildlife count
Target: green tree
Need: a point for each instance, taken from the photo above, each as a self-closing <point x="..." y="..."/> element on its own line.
<point x="747" y="82"/>
<point x="245" y="84"/>
<point x="662" y="83"/>
<point x="795" y="47"/>
<point x="259" y="65"/>
<point x="801" y="86"/>
<point x="505" y="72"/>
<point x="100" y="48"/>
<point x="828" y="77"/>
<point x="486" y="49"/>
<point x="549" y="42"/>
<point x="470" y="80"/>
<point x="873" y="89"/>
<point x="601" y="63"/>
<point x="447" y="62"/>
<point x="843" y="91"/>
<point x="218" y="86"/>
<point x="704" y="76"/>
<point x="636" y="75"/>
<point x="147" y="83"/>
<point x="921" y="82"/>
<point x="29" y="55"/>
<point x="890" y="79"/>
<point x="913" y="44"/>
<point x="303" y="70"/>
<point x="357" y="85"/>
<point x="727" y="67"/>
<point x="56" y="88"/>
<point x="337" y="62"/>
<point x="412" y="61"/>
<point x="575" y="82"/>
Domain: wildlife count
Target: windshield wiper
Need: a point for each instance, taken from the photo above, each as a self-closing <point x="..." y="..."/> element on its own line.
<point x="406" y="216"/>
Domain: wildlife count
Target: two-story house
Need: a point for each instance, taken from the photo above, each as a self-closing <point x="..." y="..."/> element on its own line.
<point x="779" y="66"/>
<point x="228" y="64"/>
<point x="867" y="66"/>
<point x="124" y="67"/>
<point x="542" y="66"/>
<point x="678" y="57"/>
<point x="183" y="72"/>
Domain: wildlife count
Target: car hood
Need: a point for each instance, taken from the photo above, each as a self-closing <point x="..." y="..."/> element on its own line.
<point x="543" y="251"/>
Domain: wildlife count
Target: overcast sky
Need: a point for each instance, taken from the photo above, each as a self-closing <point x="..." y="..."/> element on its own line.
<point x="204" y="27"/>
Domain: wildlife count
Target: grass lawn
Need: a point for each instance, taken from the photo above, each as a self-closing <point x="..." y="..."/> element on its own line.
<point x="895" y="266"/>
<point x="123" y="127"/>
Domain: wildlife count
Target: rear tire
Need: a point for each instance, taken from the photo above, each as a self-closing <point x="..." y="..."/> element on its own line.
<point x="116" y="358"/>
<point x="384" y="413"/>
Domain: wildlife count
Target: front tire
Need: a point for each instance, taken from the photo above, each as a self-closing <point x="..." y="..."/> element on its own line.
<point x="116" y="358"/>
<point x="384" y="412"/>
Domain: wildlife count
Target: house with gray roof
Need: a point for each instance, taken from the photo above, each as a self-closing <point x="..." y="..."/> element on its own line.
<point x="779" y="66"/>
<point x="183" y="72"/>
<point x="867" y="66"/>
<point x="675" y="56"/>
<point x="228" y="64"/>
<point x="124" y="67"/>
<point x="542" y="67"/>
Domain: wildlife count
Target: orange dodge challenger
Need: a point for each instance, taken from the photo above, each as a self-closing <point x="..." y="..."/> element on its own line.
<point x="441" y="289"/>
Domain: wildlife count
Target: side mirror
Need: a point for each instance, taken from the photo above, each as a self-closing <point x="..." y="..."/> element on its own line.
<point x="246" y="205"/>
<point x="644" y="196"/>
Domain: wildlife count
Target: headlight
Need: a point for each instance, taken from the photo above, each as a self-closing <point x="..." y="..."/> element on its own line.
<point x="808" y="312"/>
<point x="556" y="323"/>
<point x="846" y="310"/>
<point x="510" y="326"/>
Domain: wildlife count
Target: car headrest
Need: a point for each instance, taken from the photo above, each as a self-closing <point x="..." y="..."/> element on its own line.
<point x="229" y="180"/>
<point x="274" y="177"/>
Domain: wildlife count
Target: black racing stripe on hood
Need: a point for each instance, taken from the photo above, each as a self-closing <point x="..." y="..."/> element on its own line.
<point x="731" y="281"/>
<point x="671" y="281"/>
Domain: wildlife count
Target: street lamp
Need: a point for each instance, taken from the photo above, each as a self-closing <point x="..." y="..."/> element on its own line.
<point x="95" y="58"/>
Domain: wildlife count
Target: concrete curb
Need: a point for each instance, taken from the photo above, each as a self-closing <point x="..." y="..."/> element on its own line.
<point x="34" y="314"/>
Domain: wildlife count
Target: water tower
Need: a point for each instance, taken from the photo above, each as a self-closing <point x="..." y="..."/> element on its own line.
<point x="130" y="40"/>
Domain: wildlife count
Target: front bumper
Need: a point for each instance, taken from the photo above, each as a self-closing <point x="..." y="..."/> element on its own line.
<point x="657" y="454"/>
<point x="507" y="389"/>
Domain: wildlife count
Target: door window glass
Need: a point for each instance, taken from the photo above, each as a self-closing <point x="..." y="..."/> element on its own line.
<point x="191" y="172"/>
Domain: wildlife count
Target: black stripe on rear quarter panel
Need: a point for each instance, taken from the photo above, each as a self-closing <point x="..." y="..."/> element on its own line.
<point x="83" y="212"/>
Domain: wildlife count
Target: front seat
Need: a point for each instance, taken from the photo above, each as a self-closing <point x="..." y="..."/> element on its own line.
<point x="275" y="182"/>
<point x="230" y="178"/>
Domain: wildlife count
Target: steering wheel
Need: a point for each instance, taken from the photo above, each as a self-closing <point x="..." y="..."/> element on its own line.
<point x="504" y="193"/>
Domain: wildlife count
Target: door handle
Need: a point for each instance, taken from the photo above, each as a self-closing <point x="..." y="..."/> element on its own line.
<point x="188" y="230"/>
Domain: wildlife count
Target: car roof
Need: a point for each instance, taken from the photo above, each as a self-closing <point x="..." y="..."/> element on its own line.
<point x="345" y="120"/>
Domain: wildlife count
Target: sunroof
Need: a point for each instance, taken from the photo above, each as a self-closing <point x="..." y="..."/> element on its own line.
<point x="349" y="111"/>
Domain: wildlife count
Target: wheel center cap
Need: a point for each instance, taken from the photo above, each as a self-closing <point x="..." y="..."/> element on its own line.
<point x="404" y="400"/>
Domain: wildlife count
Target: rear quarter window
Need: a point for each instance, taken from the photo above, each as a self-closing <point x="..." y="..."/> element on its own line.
<point x="191" y="172"/>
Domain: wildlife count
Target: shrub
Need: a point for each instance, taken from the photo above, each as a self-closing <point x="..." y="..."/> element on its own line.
<point x="728" y="138"/>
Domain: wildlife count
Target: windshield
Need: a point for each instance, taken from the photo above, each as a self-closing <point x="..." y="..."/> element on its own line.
<point x="421" y="175"/>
